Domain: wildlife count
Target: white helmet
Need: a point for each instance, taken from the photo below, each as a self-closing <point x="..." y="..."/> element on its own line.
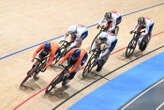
<point x="103" y="36"/>
<point x="72" y="28"/>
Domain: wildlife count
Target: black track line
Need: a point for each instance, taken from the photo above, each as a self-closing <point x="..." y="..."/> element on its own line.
<point x="105" y="76"/>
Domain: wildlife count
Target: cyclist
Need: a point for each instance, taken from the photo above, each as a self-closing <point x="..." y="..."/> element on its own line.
<point x="75" y="57"/>
<point x="77" y="34"/>
<point x="112" y="19"/>
<point x="144" y="23"/>
<point x="44" y="50"/>
<point x="110" y="40"/>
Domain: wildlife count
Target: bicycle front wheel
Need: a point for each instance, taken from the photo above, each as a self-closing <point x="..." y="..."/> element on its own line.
<point x="89" y="66"/>
<point x="29" y="74"/>
<point x="131" y="47"/>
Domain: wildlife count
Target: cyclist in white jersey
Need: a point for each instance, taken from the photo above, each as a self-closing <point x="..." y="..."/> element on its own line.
<point x="77" y="34"/>
<point x="112" y="19"/>
<point x="110" y="40"/>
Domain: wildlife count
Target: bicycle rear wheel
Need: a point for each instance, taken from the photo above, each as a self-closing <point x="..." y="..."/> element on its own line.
<point x="131" y="47"/>
<point x="144" y="44"/>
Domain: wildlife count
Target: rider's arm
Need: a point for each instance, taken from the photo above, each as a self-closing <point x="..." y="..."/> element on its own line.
<point x="38" y="50"/>
<point x="107" y="51"/>
<point x="102" y="20"/>
<point x="135" y="26"/>
<point x="95" y="44"/>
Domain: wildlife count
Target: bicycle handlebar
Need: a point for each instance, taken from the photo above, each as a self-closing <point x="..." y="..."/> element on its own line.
<point x="102" y="28"/>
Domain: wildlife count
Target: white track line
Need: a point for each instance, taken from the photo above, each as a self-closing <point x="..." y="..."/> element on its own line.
<point x="143" y="94"/>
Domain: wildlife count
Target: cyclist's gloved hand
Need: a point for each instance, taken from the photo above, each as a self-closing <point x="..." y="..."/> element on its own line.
<point x="98" y="26"/>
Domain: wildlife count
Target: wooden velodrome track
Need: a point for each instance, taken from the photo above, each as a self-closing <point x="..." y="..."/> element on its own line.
<point x="24" y="23"/>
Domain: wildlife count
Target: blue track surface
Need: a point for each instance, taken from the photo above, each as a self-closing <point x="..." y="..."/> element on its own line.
<point x="117" y="92"/>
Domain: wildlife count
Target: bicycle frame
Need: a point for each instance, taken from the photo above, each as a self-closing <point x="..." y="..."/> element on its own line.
<point x="57" y="79"/>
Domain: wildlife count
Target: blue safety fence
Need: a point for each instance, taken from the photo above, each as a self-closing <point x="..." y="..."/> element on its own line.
<point x="118" y="91"/>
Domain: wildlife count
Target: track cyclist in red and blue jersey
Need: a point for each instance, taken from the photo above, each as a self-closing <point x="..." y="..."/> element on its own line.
<point x="51" y="49"/>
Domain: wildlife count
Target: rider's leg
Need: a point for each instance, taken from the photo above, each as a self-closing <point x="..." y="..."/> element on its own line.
<point x="101" y="63"/>
<point x="118" y="21"/>
<point x="68" y="78"/>
<point x="36" y="77"/>
<point x="150" y="31"/>
<point x="105" y="55"/>
<point x="102" y="60"/>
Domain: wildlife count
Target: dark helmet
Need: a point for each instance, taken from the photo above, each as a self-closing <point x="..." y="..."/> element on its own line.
<point x="108" y="15"/>
<point x="76" y="54"/>
<point x="141" y="20"/>
<point x="47" y="47"/>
